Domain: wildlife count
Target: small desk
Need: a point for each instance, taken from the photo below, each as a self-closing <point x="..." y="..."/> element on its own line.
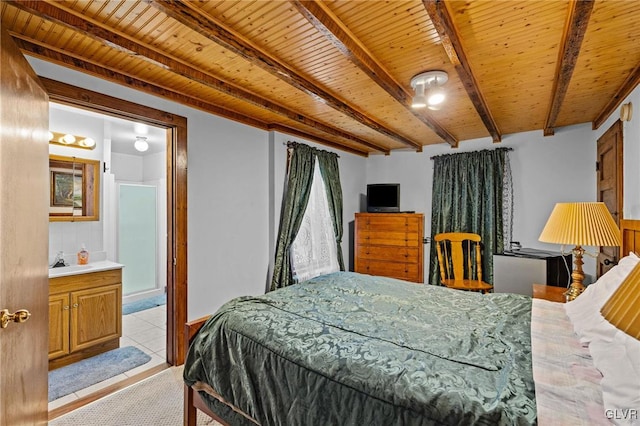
<point x="549" y="292"/>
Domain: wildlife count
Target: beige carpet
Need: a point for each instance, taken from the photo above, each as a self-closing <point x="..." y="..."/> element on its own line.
<point x="154" y="401"/>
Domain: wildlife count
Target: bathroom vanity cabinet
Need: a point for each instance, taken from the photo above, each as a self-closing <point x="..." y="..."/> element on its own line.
<point x="85" y="315"/>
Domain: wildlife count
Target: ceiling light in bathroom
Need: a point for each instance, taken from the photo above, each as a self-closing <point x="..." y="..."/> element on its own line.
<point x="141" y="144"/>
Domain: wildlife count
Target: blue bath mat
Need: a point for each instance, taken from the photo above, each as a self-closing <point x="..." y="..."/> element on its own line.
<point x="141" y="305"/>
<point x="82" y="374"/>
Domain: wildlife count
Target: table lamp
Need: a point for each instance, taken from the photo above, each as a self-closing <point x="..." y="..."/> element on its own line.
<point x="580" y="224"/>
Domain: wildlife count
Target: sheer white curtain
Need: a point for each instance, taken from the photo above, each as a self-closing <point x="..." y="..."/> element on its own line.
<point x="313" y="252"/>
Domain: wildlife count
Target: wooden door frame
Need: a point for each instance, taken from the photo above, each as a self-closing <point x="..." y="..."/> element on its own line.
<point x="176" y="193"/>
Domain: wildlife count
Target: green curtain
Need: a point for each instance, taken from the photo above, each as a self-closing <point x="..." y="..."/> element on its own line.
<point x="471" y="190"/>
<point x="294" y="204"/>
<point x="328" y="163"/>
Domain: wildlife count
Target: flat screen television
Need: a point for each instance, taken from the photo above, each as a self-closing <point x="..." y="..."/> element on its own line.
<point x="383" y="197"/>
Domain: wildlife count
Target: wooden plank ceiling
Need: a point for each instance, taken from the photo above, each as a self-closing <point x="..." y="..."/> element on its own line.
<point x="338" y="72"/>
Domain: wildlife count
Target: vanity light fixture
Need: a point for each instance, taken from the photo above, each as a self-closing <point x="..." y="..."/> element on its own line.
<point x="428" y="89"/>
<point x="67" y="139"/>
<point x="141" y="144"/>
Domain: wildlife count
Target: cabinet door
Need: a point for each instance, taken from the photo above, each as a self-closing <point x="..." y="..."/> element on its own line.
<point x="96" y="316"/>
<point x="58" y="325"/>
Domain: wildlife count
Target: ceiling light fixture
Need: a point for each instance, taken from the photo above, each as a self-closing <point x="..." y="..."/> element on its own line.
<point x="428" y="89"/>
<point x="141" y="144"/>
<point x="69" y="140"/>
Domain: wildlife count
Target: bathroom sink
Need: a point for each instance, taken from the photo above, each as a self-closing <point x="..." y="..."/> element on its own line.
<point x="70" y="268"/>
<point x="67" y="270"/>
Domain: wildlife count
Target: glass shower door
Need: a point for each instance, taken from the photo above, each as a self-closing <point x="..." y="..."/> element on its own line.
<point x="137" y="237"/>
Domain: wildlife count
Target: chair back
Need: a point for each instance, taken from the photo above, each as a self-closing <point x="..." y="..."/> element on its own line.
<point x="459" y="256"/>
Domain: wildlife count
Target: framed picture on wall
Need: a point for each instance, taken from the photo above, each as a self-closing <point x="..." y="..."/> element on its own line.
<point x="74" y="189"/>
<point x="66" y="189"/>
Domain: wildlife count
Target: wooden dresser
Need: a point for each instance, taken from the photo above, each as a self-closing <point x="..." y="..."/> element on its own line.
<point x="390" y="245"/>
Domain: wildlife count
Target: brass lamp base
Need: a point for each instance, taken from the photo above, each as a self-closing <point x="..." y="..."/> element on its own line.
<point x="577" y="276"/>
<point x="574" y="291"/>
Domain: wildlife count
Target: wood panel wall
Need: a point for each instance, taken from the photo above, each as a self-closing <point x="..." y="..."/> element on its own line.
<point x="630" y="230"/>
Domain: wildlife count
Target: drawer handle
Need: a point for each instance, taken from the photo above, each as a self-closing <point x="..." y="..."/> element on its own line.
<point x="75" y="305"/>
<point x="66" y="307"/>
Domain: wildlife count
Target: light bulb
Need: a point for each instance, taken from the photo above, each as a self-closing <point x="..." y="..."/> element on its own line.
<point x="141" y="144"/>
<point x="436" y="96"/>
<point x="88" y="142"/>
<point x="68" y="139"/>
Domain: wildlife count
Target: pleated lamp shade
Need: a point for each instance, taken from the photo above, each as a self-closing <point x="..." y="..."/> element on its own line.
<point x="581" y="224"/>
<point x="623" y="307"/>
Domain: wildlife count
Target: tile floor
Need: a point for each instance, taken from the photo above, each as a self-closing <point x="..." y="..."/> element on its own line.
<point x="145" y="330"/>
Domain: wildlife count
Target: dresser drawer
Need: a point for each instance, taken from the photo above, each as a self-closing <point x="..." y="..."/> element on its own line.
<point x="400" y="254"/>
<point x="403" y="271"/>
<point x="389" y="224"/>
<point x="401" y="239"/>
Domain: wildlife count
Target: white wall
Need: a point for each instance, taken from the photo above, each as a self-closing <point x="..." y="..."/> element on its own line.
<point x="545" y="170"/>
<point x="236" y="174"/>
<point x="232" y="170"/>
<point x="127" y="167"/>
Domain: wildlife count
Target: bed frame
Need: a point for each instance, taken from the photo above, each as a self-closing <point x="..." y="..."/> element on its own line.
<point x="630" y="231"/>
<point x="192" y="400"/>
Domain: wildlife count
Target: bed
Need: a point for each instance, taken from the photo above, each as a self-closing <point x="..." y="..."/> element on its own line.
<point x="347" y="348"/>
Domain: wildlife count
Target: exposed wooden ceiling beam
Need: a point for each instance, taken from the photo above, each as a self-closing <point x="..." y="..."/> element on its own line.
<point x="52" y="55"/>
<point x="451" y="41"/>
<point x="627" y="87"/>
<point x="576" y="26"/>
<point x="295" y="132"/>
<point x="216" y="32"/>
<point x="138" y="50"/>
<point x="330" y="26"/>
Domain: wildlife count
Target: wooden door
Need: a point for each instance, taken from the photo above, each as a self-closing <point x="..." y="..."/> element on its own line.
<point x="96" y="316"/>
<point x="24" y="238"/>
<point x="609" y="186"/>
<point x="58" y="325"/>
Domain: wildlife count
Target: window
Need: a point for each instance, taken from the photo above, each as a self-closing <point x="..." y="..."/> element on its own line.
<point x="313" y="251"/>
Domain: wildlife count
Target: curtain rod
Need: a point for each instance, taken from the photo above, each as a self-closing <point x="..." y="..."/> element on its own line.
<point x="290" y="143"/>
<point x="506" y="148"/>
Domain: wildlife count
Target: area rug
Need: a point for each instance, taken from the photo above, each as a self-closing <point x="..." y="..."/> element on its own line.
<point x="155" y="401"/>
<point x="82" y="374"/>
<point x="144" y="304"/>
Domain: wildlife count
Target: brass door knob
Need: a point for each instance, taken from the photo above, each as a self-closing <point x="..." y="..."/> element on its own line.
<point x="21" y="315"/>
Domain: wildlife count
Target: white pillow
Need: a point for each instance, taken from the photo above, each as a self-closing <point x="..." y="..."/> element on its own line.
<point x="584" y="311"/>
<point x="619" y="362"/>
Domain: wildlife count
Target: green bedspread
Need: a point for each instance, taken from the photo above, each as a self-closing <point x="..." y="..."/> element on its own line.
<point x="351" y="349"/>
